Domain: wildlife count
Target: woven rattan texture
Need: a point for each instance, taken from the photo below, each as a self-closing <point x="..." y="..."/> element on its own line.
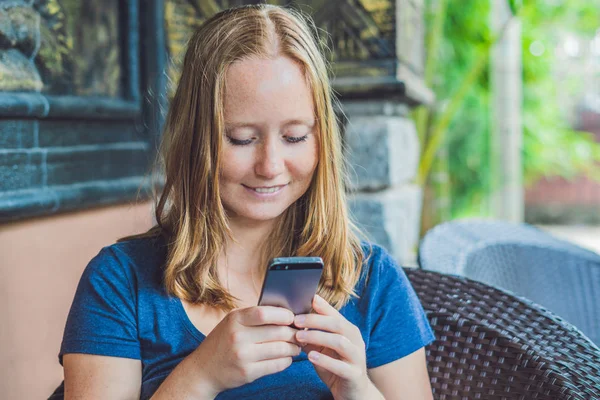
<point x="493" y="345"/>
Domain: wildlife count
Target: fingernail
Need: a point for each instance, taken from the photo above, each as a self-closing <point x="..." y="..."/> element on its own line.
<point x="300" y="319"/>
<point x="313" y="355"/>
<point x="301" y="335"/>
<point x="318" y="298"/>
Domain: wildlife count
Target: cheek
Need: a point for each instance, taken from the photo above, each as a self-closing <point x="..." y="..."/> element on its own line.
<point x="234" y="165"/>
<point x="304" y="163"/>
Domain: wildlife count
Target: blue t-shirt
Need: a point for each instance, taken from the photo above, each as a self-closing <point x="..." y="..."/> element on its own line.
<point x="121" y="309"/>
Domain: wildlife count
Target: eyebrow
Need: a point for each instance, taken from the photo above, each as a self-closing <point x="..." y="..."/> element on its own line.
<point x="236" y="125"/>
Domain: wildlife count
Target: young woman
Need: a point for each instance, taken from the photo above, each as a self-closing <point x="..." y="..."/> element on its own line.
<point x="253" y="168"/>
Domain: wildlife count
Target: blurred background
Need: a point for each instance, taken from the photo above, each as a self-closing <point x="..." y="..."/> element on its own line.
<point x="451" y="109"/>
<point x="545" y="75"/>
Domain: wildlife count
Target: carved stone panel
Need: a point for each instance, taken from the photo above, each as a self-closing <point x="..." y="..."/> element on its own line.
<point x="18" y="44"/>
<point x="72" y="131"/>
<point x="358" y="29"/>
<point x="66" y="47"/>
<point x="182" y="17"/>
<point x="377" y="45"/>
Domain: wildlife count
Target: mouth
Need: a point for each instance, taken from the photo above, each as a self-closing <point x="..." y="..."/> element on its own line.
<point x="265" y="189"/>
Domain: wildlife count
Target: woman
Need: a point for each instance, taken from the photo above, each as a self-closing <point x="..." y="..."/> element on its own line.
<point x="252" y="161"/>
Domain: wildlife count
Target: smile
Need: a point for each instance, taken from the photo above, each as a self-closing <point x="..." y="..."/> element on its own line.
<point x="265" y="190"/>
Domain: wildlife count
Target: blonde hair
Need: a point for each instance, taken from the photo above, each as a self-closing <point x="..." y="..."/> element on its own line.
<point x="189" y="211"/>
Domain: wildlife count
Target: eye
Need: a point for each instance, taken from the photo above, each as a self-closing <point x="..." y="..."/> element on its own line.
<point x="239" y="142"/>
<point x="296" y="139"/>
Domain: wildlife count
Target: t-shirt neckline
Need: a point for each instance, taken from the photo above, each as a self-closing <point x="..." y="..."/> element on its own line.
<point x="187" y="322"/>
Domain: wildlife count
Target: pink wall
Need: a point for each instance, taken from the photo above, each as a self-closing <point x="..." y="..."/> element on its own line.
<point x="579" y="191"/>
<point x="41" y="261"/>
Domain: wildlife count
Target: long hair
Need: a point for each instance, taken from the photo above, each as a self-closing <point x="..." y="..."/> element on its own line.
<point x="189" y="211"/>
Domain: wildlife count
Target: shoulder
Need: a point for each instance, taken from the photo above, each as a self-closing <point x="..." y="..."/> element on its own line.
<point x="139" y="250"/>
<point x="130" y="260"/>
<point x="379" y="268"/>
<point x="388" y="310"/>
<point x="375" y="256"/>
<point x="113" y="298"/>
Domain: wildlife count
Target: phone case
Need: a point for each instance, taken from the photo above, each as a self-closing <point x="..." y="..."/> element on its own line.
<point x="291" y="282"/>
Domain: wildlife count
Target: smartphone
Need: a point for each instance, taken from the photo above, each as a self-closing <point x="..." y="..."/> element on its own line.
<point x="291" y="282"/>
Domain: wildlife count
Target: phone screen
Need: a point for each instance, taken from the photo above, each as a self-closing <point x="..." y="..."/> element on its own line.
<point x="291" y="283"/>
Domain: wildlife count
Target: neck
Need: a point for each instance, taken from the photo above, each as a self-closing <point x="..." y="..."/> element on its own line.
<point x="239" y="265"/>
<point x="244" y="250"/>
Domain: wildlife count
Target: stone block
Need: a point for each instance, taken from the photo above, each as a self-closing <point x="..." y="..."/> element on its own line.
<point x="21" y="169"/>
<point x="16" y="134"/>
<point x="391" y="218"/>
<point x="96" y="163"/>
<point x="48" y="200"/>
<point x="382" y="151"/>
<point x="64" y="133"/>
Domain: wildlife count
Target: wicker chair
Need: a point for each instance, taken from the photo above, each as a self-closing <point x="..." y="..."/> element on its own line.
<point x="493" y="345"/>
<point x="558" y="275"/>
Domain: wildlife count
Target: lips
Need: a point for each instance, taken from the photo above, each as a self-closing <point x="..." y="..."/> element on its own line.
<point x="265" y="189"/>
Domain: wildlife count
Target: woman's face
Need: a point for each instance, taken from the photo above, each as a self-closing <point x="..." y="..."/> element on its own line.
<point x="270" y="149"/>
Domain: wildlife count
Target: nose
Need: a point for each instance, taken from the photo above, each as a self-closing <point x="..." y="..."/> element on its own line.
<point x="269" y="163"/>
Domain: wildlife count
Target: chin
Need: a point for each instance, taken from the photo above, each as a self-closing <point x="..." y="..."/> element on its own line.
<point x="258" y="215"/>
<point x="263" y="216"/>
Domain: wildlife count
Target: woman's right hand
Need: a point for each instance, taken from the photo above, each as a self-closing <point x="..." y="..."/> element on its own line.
<point x="247" y="344"/>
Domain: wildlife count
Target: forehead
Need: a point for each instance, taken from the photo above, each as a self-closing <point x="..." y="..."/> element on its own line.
<point x="257" y="88"/>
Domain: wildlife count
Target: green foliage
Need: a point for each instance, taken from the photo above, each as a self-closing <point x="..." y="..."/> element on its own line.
<point x="514" y="6"/>
<point x="464" y="45"/>
<point x="550" y="147"/>
<point x="468" y="135"/>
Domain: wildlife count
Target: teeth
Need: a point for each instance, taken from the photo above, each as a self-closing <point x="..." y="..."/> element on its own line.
<point x="267" y="190"/>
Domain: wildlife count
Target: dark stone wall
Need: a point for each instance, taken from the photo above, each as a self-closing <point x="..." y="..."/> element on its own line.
<point x="67" y="143"/>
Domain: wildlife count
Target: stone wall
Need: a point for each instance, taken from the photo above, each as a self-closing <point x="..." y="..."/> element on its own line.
<point x="383" y="156"/>
<point x="377" y="92"/>
<point x="72" y="133"/>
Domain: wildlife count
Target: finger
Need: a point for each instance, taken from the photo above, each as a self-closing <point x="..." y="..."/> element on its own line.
<point x="321" y="322"/>
<point x="321" y="306"/>
<point x="336" y="342"/>
<point x="268" y="367"/>
<point x="336" y="367"/>
<point x="307" y="348"/>
<point x="330" y="324"/>
<point x="264" y="315"/>
<point x="274" y="350"/>
<point x="271" y="333"/>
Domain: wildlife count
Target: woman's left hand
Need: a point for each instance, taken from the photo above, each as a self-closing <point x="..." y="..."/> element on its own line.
<point x="337" y="350"/>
